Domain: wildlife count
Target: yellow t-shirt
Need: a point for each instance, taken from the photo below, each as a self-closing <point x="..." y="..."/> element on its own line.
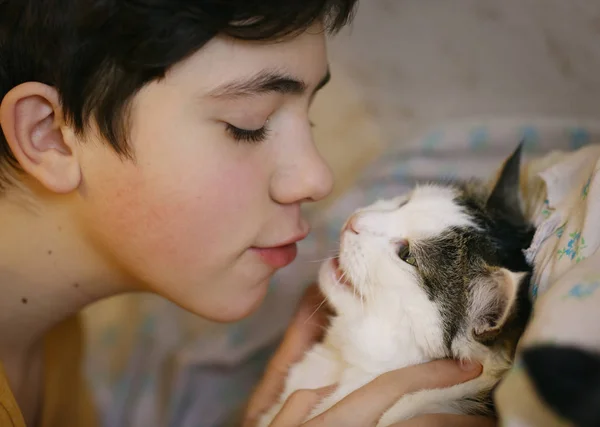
<point x="66" y="401"/>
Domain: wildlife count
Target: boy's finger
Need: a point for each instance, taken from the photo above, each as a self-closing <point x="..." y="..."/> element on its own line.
<point x="447" y="420"/>
<point x="306" y="328"/>
<point x="298" y="406"/>
<point x="303" y="331"/>
<point x="308" y="324"/>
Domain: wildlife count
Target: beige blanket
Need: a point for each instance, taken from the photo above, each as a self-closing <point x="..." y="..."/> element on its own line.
<point x="563" y="194"/>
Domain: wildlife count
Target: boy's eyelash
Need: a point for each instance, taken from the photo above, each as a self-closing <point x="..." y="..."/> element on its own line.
<point x="253" y="136"/>
<point x="246" y="135"/>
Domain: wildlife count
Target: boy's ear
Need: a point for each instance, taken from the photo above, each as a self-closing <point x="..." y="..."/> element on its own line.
<point x="505" y="197"/>
<point x="32" y="122"/>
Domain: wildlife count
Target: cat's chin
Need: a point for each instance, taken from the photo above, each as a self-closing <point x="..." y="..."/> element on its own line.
<point x="334" y="283"/>
<point x="340" y="275"/>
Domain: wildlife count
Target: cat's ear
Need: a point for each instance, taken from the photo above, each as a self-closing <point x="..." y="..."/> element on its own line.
<point x="505" y="197"/>
<point x="493" y="300"/>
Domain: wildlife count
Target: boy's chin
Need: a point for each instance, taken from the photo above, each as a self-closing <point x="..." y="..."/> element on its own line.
<point x="234" y="307"/>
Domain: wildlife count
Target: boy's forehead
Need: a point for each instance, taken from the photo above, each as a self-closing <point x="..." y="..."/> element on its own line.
<point x="226" y="67"/>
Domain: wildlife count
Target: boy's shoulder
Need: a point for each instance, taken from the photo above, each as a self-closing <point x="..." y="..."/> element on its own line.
<point x="10" y="414"/>
<point x="63" y="371"/>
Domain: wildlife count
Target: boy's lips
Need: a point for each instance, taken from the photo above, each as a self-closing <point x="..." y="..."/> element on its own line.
<point x="278" y="257"/>
<point x="281" y="255"/>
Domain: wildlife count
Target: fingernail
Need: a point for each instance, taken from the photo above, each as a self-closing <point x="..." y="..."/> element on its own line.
<point x="468" y="365"/>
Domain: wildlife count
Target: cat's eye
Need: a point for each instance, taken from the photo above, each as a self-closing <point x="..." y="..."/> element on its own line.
<point x="405" y="255"/>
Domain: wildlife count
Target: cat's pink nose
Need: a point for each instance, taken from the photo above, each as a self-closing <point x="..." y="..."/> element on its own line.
<point x="351" y="224"/>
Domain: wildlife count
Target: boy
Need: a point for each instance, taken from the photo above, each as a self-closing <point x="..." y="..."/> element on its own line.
<point x="157" y="145"/>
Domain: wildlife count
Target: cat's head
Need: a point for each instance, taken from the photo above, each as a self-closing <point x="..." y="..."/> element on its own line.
<point x="440" y="270"/>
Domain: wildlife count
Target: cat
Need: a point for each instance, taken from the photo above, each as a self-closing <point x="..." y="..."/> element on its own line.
<point x="437" y="273"/>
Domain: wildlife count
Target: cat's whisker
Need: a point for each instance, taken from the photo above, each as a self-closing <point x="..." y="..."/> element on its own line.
<point x="314" y="312"/>
<point x="369" y="290"/>
<point x="358" y="294"/>
<point x="364" y="295"/>
<point x="322" y="259"/>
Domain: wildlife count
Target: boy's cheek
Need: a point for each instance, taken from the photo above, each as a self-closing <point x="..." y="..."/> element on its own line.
<point x="177" y="224"/>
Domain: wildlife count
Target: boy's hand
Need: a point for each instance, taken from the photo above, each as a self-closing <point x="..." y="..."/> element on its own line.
<point x="365" y="406"/>
<point x="306" y="328"/>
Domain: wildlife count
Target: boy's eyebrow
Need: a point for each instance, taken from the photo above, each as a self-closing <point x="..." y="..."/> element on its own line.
<point x="265" y="82"/>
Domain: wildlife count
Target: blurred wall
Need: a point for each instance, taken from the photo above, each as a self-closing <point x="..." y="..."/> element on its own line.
<point x="416" y="62"/>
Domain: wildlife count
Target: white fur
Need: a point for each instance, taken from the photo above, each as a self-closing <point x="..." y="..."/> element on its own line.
<point x="386" y="321"/>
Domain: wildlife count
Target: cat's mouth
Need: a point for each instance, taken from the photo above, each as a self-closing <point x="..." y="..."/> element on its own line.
<point x="340" y="276"/>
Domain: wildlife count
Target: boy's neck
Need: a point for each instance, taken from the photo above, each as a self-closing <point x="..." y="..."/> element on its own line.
<point x="47" y="272"/>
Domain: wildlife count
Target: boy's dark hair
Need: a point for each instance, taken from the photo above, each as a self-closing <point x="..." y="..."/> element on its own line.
<point x="99" y="53"/>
